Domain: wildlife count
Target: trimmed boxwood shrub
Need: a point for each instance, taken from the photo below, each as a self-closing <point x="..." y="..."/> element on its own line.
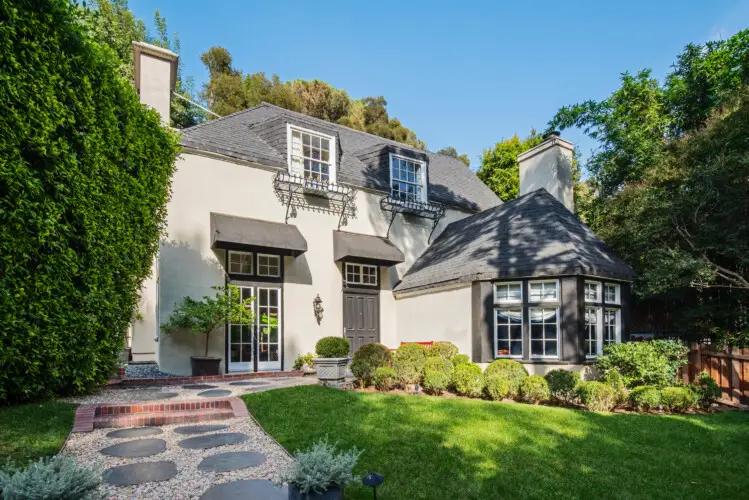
<point x="332" y="347"/>
<point x="435" y="382"/>
<point x="596" y="396"/>
<point x="562" y="384"/>
<point x="443" y="348"/>
<point x="533" y="389"/>
<point x="384" y="378"/>
<point x="85" y="178"/>
<point x="497" y="387"/>
<point x="645" y="398"/>
<point x="706" y="388"/>
<point x="408" y="362"/>
<point x="439" y="364"/>
<point x="468" y="380"/>
<point x="367" y="359"/>
<point x="460" y="359"/>
<point x="614" y="379"/>
<point x="678" y="398"/>
<point x="511" y="369"/>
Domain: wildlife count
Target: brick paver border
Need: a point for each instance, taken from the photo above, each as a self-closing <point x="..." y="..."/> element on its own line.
<point x="131" y="382"/>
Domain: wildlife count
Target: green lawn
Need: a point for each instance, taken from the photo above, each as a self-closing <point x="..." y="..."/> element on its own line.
<point x="34" y="430"/>
<point x="459" y="449"/>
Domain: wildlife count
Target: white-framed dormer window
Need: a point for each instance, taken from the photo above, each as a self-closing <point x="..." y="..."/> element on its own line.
<point x="543" y="291"/>
<point x="508" y="293"/>
<point x="240" y="262"/>
<point x="361" y="274"/>
<point x="268" y="265"/>
<point x="592" y="291"/>
<point x="611" y="293"/>
<point x="408" y="179"/>
<point x="311" y="154"/>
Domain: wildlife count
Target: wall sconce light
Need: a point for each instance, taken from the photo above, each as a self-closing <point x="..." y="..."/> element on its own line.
<point x="317" y="307"/>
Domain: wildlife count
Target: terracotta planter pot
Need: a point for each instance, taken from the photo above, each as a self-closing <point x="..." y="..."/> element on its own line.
<point x="203" y="366"/>
<point x="334" y="494"/>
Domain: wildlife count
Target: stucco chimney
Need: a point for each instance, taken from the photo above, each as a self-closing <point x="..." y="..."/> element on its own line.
<point x="549" y="166"/>
<point x="155" y="76"/>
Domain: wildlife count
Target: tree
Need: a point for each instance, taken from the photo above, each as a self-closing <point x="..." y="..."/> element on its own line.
<point x="453" y="153"/>
<point x="499" y="168"/>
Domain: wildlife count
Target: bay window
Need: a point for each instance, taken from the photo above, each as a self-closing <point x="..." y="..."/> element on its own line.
<point x="544" y="324"/>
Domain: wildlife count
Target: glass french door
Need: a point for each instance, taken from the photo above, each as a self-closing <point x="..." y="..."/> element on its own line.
<point x="240" y="341"/>
<point x="268" y="317"/>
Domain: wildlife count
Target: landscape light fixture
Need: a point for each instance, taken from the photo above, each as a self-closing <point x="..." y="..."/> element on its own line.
<point x="373" y="480"/>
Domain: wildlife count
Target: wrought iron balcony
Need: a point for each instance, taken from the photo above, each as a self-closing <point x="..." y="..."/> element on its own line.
<point x="427" y="210"/>
<point x="294" y="190"/>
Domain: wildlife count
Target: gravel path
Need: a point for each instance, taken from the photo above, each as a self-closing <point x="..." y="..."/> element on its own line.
<point x="150" y="370"/>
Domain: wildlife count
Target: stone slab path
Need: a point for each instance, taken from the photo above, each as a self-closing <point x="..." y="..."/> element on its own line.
<point x="249" y="489"/>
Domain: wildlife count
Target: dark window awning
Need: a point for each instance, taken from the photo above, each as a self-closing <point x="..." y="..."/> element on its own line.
<point x="354" y="246"/>
<point x="237" y="233"/>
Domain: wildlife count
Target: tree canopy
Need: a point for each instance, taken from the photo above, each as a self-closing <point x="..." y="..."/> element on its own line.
<point x="452" y="152"/>
<point x="499" y="165"/>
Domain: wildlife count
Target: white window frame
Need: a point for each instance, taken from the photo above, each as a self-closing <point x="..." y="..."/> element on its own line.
<point x="542" y="299"/>
<point x="277" y="265"/>
<point x="618" y="326"/>
<point x="332" y="171"/>
<point x="360" y="274"/>
<point x="423" y="166"/>
<point x="599" y="331"/>
<point x="240" y="252"/>
<point x="599" y="288"/>
<point x="522" y="329"/>
<point x="497" y="300"/>
<point x="544" y="339"/>
<point x="617" y="293"/>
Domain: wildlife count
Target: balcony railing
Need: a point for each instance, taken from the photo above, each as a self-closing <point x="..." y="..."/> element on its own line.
<point x="427" y="210"/>
<point x="294" y="192"/>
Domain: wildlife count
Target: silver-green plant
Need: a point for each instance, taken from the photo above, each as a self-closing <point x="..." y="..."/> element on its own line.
<point x="56" y="478"/>
<point x="321" y="468"/>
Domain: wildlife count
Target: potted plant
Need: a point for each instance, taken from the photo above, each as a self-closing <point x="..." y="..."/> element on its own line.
<point x="304" y="362"/>
<point x="332" y="359"/>
<point x="204" y="316"/>
<point x="320" y="473"/>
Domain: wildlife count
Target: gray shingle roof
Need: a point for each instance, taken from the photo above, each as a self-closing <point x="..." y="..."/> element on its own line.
<point x="258" y="134"/>
<point x="534" y="235"/>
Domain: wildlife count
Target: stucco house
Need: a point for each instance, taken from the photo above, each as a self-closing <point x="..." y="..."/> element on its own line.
<point x="399" y="244"/>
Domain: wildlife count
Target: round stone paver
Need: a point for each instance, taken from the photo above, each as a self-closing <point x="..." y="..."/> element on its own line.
<point x="258" y="389"/>
<point x="213" y="440"/>
<point x="250" y="382"/>
<point x="137" y="448"/>
<point x="142" y="472"/>
<point x="249" y="489"/>
<point x="135" y="432"/>
<point x="199" y="386"/>
<point x="200" y="429"/>
<point x="215" y="393"/>
<point x="232" y="460"/>
<point x="156" y="396"/>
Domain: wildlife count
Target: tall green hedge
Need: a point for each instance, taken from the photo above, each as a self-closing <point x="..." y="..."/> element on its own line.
<point x="84" y="180"/>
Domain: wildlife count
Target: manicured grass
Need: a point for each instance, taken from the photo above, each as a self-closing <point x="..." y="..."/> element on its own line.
<point x="34" y="430"/>
<point x="457" y="448"/>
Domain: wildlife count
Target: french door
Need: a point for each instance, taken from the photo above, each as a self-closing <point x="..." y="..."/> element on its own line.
<point x="259" y="344"/>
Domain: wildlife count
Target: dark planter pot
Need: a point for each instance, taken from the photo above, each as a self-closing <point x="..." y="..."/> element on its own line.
<point x="202" y="366"/>
<point x="334" y="494"/>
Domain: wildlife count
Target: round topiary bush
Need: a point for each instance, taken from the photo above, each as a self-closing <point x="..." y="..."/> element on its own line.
<point x="460" y="359"/>
<point x="645" y="398"/>
<point x="678" y="398"/>
<point x="562" y="384"/>
<point x="367" y="359"/>
<point x="443" y="348"/>
<point x="497" y="386"/>
<point x="439" y="364"/>
<point x="468" y="380"/>
<point x="408" y="362"/>
<point x="533" y="389"/>
<point x="614" y="379"/>
<point x="435" y="382"/>
<point x="332" y="347"/>
<point x="511" y="369"/>
<point x="384" y="378"/>
<point x="706" y="388"/>
<point x="596" y="396"/>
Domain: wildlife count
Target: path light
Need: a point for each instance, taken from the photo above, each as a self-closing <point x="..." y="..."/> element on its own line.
<point x="317" y="307"/>
<point x="373" y="480"/>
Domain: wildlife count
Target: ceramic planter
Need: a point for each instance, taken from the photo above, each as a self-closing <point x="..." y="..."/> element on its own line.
<point x="307" y="369"/>
<point x="332" y="494"/>
<point x="204" y="365"/>
<point x="331" y="369"/>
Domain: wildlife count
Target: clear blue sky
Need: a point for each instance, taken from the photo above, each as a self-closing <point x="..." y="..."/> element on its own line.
<point x="458" y="73"/>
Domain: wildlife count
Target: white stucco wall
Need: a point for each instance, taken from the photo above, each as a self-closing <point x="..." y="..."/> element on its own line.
<point x="188" y="265"/>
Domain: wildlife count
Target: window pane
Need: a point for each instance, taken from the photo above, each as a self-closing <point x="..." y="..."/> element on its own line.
<point x="550" y="331"/>
<point x="536" y="291"/>
<point x="235" y="334"/>
<point x="516" y="332"/>
<point x="551" y="348"/>
<point x="537" y="348"/>
<point x="537" y="331"/>
<point x="516" y="349"/>
<point x="536" y="315"/>
<point x="550" y="291"/>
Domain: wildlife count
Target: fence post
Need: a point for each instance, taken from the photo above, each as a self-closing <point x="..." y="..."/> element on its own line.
<point x="735" y="376"/>
<point x="697" y="348"/>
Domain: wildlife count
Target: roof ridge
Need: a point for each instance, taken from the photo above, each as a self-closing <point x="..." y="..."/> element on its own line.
<point x="220" y="118"/>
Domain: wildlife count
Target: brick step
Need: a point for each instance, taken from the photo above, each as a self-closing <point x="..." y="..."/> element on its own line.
<point x="163" y="418"/>
<point x="103" y="410"/>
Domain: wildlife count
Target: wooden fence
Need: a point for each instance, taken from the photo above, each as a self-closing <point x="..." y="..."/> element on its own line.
<point x="729" y="367"/>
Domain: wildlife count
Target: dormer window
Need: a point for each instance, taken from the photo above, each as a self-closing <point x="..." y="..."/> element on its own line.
<point x="407" y="179"/>
<point x="311" y="155"/>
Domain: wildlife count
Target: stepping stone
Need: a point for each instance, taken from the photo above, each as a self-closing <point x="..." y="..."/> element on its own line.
<point x="213" y="440"/>
<point x="135" y="432"/>
<point x="142" y="472"/>
<point x="137" y="448"/>
<point x="199" y="386"/>
<point x="250" y="489"/>
<point x="250" y="382"/>
<point x="156" y="396"/>
<point x="200" y="429"/>
<point x="215" y="393"/>
<point x="232" y="460"/>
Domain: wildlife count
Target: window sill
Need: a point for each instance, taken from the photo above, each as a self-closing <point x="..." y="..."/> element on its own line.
<point x="544" y="361"/>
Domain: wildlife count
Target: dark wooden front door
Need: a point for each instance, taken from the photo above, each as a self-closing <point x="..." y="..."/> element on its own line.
<point x="361" y="318"/>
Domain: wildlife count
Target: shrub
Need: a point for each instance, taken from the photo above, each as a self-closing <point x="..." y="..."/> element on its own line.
<point x="497" y="386"/>
<point x="332" y="347"/>
<point x="384" y="378"/>
<point x="596" y="396"/>
<point x="303" y="359"/>
<point x="409" y="362"/>
<point x="435" y="382"/>
<point x="468" y="380"/>
<point x="439" y="364"/>
<point x="706" y="388"/>
<point x="460" y="359"/>
<point x="443" y="348"/>
<point x="533" y="389"/>
<point x="678" y="398"/>
<point x="645" y="398"/>
<point x="321" y="468"/>
<point x="614" y="379"/>
<point x="562" y="384"/>
<point x="511" y="369"/>
<point x="56" y="478"/>
<point x="367" y="359"/>
<point x="86" y="174"/>
<point x="645" y="363"/>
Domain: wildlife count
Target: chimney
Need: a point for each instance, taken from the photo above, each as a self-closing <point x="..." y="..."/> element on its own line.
<point x="155" y="76"/>
<point x="549" y="166"/>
